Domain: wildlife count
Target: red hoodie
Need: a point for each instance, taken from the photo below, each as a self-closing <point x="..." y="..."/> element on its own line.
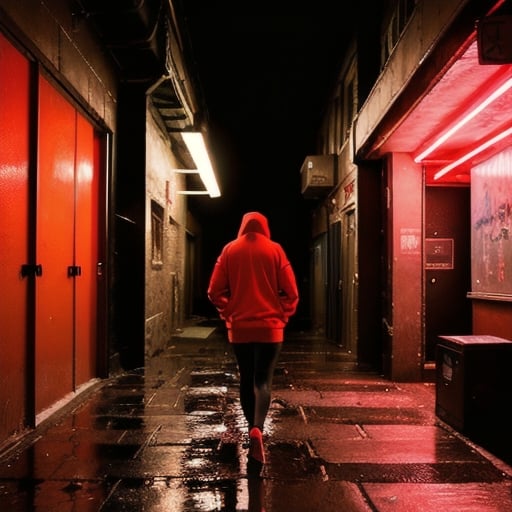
<point x="253" y="284"/>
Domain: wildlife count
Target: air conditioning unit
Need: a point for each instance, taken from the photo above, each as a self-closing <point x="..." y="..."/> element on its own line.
<point x="318" y="176"/>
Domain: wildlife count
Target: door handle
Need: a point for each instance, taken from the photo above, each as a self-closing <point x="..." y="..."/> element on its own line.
<point x="74" y="270"/>
<point x="28" y="270"/>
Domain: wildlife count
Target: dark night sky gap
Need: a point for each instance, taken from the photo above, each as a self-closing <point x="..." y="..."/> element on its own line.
<point x="265" y="75"/>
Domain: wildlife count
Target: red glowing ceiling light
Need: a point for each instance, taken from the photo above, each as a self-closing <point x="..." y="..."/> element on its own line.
<point x="465" y="119"/>
<point x="447" y="168"/>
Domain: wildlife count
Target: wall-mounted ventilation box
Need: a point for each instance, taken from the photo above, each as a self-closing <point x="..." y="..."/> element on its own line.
<point x="318" y="176"/>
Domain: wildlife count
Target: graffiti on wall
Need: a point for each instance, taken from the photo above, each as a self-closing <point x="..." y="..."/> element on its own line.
<point x="491" y="212"/>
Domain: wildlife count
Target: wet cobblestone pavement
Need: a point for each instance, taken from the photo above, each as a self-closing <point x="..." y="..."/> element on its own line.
<point x="171" y="437"/>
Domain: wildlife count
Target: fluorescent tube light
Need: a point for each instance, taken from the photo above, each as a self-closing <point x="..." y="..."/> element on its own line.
<point x="197" y="148"/>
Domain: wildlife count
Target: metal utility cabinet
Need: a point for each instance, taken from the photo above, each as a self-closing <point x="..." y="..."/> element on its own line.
<point x="474" y="389"/>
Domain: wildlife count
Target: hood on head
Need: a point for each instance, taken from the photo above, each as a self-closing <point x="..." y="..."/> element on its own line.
<point x="254" y="222"/>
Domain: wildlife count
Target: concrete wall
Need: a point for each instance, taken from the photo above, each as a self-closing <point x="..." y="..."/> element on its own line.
<point x="430" y="20"/>
<point x="406" y="267"/>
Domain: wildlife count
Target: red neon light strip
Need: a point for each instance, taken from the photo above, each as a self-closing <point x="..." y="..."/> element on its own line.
<point x="472" y="153"/>
<point x="470" y="115"/>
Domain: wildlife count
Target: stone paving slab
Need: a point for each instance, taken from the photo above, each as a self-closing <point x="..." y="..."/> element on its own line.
<point x="465" y="497"/>
<point x="391" y="452"/>
<point x="195" y="332"/>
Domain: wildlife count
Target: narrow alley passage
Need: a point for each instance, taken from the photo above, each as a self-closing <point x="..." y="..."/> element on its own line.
<point x="171" y="437"/>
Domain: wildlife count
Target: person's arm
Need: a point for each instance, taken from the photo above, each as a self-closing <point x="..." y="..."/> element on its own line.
<point x="218" y="288"/>
<point x="288" y="292"/>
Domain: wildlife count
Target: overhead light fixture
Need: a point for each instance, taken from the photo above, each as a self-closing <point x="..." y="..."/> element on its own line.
<point x="197" y="148"/>
<point x="472" y="153"/>
<point x="464" y="120"/>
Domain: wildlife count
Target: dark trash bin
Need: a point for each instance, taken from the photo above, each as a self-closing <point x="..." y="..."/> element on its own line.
<point x="474" y="389"/>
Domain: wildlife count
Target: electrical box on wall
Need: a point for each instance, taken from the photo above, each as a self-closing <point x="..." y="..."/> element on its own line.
<point x="318" y="176"/>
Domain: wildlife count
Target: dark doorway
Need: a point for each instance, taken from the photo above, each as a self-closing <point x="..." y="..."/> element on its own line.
<point x="334" y="283"/>
<point x="447" y="264"/>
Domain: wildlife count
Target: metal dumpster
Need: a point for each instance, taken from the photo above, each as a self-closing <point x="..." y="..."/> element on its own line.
<point x="474" y="389"/>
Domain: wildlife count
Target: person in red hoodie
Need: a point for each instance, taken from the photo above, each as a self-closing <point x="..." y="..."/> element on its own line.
<point x="254" y="290"/>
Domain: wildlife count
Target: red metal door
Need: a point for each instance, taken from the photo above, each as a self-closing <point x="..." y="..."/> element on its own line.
<point x="54" y="326"/>
<point x="86" y="252"/>
<point x="14" y="236"/>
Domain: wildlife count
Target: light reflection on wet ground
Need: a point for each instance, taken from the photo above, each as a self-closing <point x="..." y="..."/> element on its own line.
<point x="171" y="437"/>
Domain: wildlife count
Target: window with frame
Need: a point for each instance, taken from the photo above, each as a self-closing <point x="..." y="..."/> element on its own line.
<point x="338" y="120"/>
<point x="399" y="18"/>
<point x="323" y="140"/>
<point x="157" y="234"/>
<point x="333" y="125"/>
<point x="349" y="100"/>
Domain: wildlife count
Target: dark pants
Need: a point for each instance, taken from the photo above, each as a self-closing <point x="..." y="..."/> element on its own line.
<point x="256" y="365"/>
